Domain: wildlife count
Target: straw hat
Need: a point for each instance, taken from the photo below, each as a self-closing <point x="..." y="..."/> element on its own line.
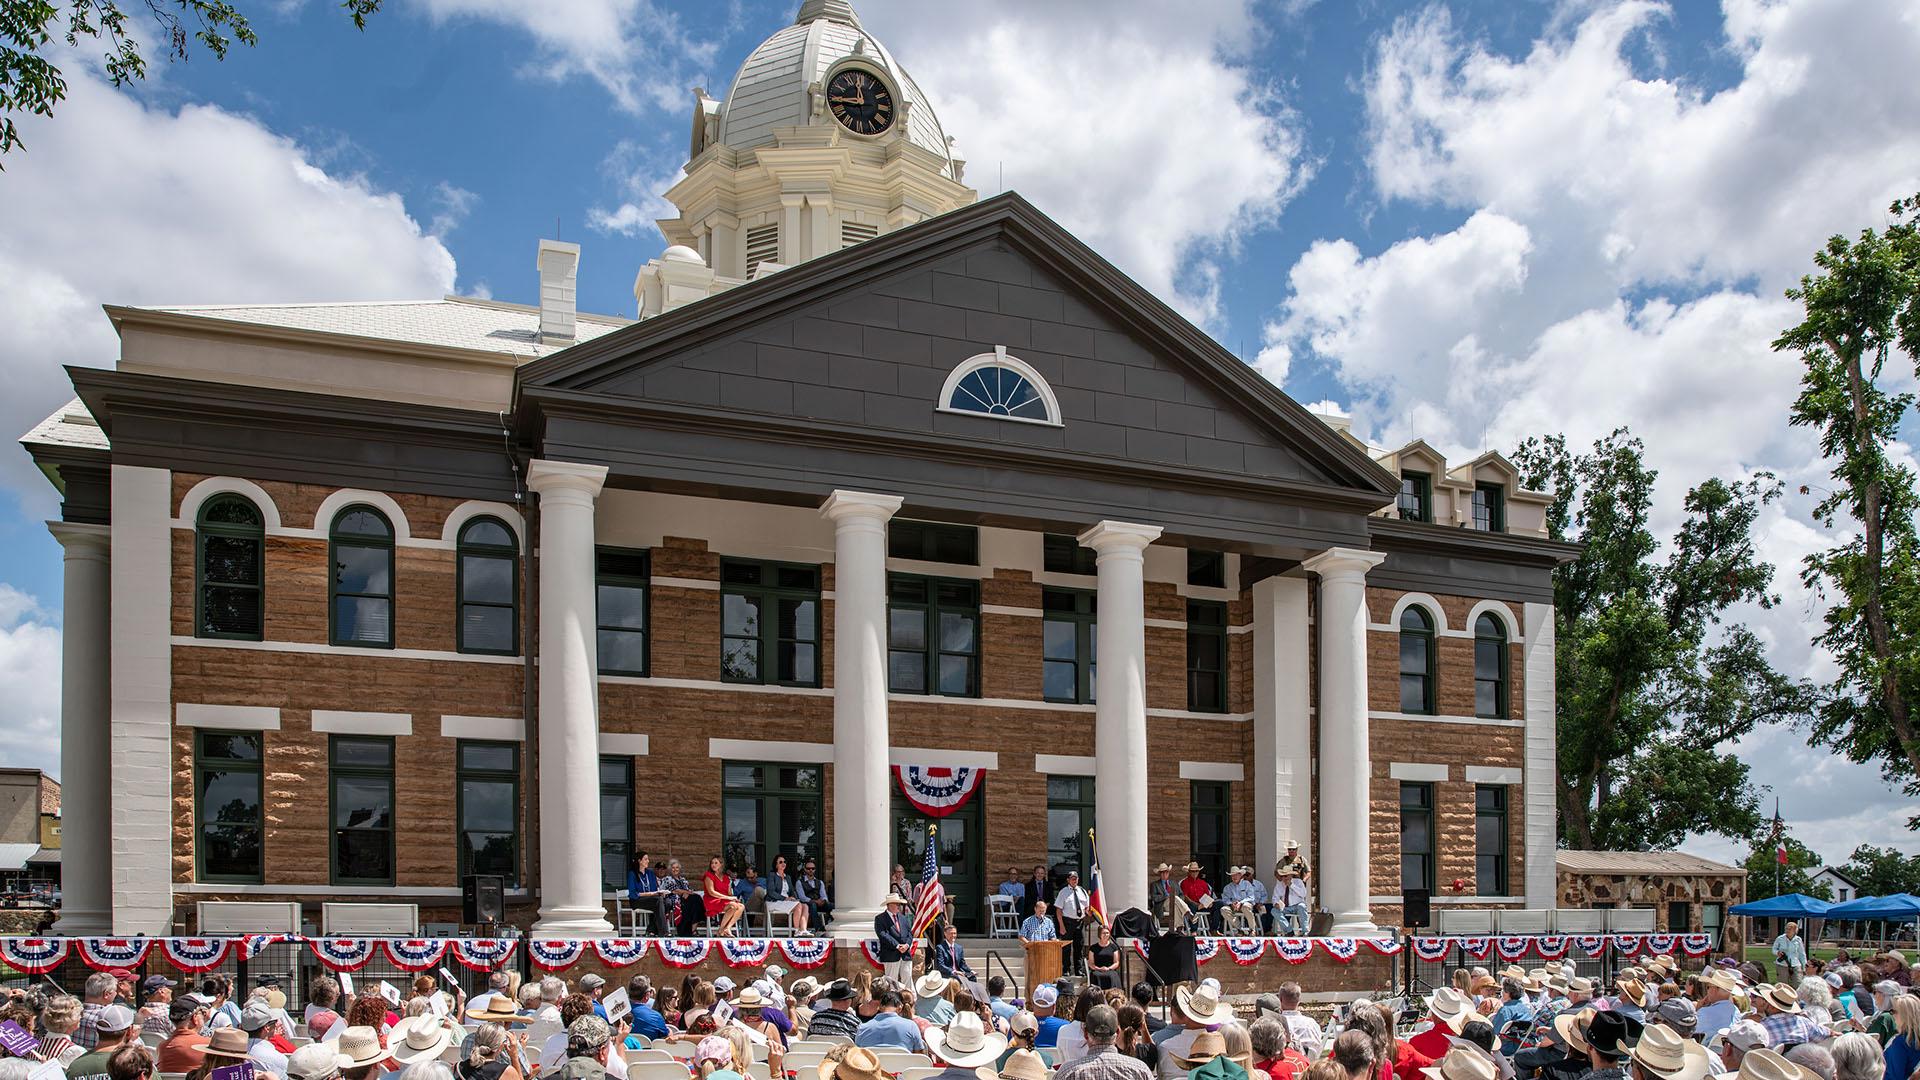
<point x="1780" y="996"/>
<point x="1449" y="1006"/>
<point x="1206" y="1046"/>
<point x="1633" y="990"/>
<point x="497" y="1009"/>
<point x="750" y="998"/>
<point x="1764" y="1064"/>
<point x="1202" y="1005"/>
<point x="859" y="1063"/>
<point x="896" y="898"/>
<point x="1021" y="1065"/>
<point x="1572" y="1029"/>
<point x="1722" y="978"/>
<point x="226" y="1042"/>
<point x="965" y="1043"/>
<point x="1556" y="983"/>
<point x="1191" y="866"/>
<point x="1665" y="1053"/>
<point x="1163" y="868"/>
<point x="419" y="1038"/>
<point x="931" y="985"/>
<point x="1513" y="971"/>
<point x="361" y="1047"/>
<point x="1579" y="985"/>
<point x="1464" y="1062"/>
<point x="1552" y="967"/>
<point x="315" y="1061"/>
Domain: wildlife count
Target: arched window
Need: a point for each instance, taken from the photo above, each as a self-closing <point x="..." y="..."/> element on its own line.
<point x="228" y="569"/>
<point x="360" y="589"/>
<point x="1416" y="662"/>
<point x="998" y="385"/>
<point x="1489" y="667"/>
<point x="489" y="583"/>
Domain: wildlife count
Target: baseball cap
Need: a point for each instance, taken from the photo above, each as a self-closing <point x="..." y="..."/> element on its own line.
<point x="1744" y="1035"/>
<point x="1101" y="1022"/>
<point x="256" y="1016"/>
<point x="1678" y="1014"/>
<point x="589" y="1033"/>
<point x="1267" y="1003"/>
<point x="590" y="981"/>
<point x="1023" y="1023"/>
<point x="157" y="982"/>
<point x="723" y="984"/>
<point x="113" y="1018"/>
<point x="1045" y="996"/>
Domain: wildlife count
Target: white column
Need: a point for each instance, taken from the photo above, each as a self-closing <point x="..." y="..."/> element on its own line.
<point x="1542" y="757"/>
<point x="1120" y="709"/>
<point x="569" y="731"/>
<point x="86" y="885"/>
<point x="862" y="792"/>
<point x="1282" y="724"/>
<point x="1346" y="762"/>
<point x="140" y="657"/>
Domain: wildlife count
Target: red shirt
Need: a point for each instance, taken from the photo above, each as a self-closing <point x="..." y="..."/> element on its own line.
<point x="181" y="1053"/>
<point x="1408" y="1061"/>
<point x="1289" y="1064"/>
<point x="1434" y="1042"/>
<point x="717" y="883"/>
<point x="1193" y="888"/>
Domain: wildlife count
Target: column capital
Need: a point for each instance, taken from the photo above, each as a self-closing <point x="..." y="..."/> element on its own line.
<point x="1116" y="536"/>
<point x="1344" y="564"/>
<point x="555" y="477"/>
<point x="844" y="507"/>
<point x="82" y="540"/>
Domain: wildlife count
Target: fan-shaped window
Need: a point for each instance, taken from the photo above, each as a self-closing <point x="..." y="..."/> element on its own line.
<point x="1489" y="668"/>
<point x="228" y="590"/>
<point x="489" y="585"/>
<point x="360" y="588"/>
<point x="998" y="385"/>
<point x="1416" y="662"/>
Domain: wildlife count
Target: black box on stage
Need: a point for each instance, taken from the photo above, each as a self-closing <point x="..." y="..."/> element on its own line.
<point x="483" y="899"/>
<point x="1170" y="959"/>
<point x="1417" y="908"/>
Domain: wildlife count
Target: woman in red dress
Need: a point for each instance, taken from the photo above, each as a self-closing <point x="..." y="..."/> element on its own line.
<point x="717" y="892"/>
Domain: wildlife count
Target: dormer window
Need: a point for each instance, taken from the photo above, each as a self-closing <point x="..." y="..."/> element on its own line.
<point x="1005" y="387"/>
<point x="1416" y="496"/>
<point x="1490" y="507"/>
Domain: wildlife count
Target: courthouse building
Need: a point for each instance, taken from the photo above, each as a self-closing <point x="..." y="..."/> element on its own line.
<point x="891" y="499"/>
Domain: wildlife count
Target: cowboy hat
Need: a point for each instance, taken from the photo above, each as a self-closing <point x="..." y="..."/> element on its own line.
<point x="1484" y="982"/>
<point x="315" y="1061"/>
<point x="1722" y="978"/>
<point x="226" y="1042"/>
<point x="497" y="1009"/>
<point x="858" y="1063"/>
<point x="1513" y="971"/>
<point x="839" y="990"/>
<point x="1556" y="983"/>
<point x="895" y="898"/>
<point x="1612" y="1034"/>
<point x="1669" y="1055"/>
<point x="1163" y="868"/>
<point x="1571" y="1027"/>
<point x="931" y="985"/>
<point x="1449" y="1005"/>
<point x="1191" y="866"/>
<point x="1764" y="1064"/>
<point x="419" y="1038"/>
<point x="965" y="1043"/>
<point x="750" y="998"/>
<point x="1552" y="967"/>
<point x="1579" y="985"/>
<point x="361" y="1047"/>
<point x="1206" y="1046"/>
<point x="804" y="988"/>
<point x="1020" y="1065"/>
<point x="1464" y="1062"/>
<point x="1632" y="990"/>
<point x="1203" y="1005"/>
<point x="1780" y="996"/>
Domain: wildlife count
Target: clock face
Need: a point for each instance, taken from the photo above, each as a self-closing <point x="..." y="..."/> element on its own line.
<point x="861" y="102"/>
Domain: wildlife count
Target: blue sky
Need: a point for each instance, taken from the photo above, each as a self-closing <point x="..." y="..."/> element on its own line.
<point x="1470" y="222"/>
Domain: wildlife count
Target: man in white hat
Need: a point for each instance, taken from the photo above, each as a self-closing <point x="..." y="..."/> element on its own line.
<point x="1290" y="914"/>
<point x="1717" y="1011"/>
<point x="929" y="999"/>
<point x="1447" y="1011"/>
<point x="1196" y="1010"/>
<point x="361" y="1048"/>
<point x="1778" y="1008"/>
<point x="964" y="1044"/>
<point x="1664" y="1054"/>
<point x="1246" y="899"/>
<point x="1764" y="1064"/>
<point x="895" y="936"/>
<point x="317" y="1061"/>
<point x="1463" y="1061"/>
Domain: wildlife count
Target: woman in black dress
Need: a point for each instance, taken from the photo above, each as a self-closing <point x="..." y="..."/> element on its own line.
<point x="1103" y="961"/>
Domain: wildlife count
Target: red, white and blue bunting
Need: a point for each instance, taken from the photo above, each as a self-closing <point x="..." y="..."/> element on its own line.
<point x="683" y="952"/>
<point x="1341" y="949"/>
<point x="620" y="952"/>
<point x="415" y="954"/>
<point x="1696" y="944"/>
<point x="1432" y="950"/>
<point x="482" y="954"/>
<point x="1245" y="950"/>
<point x="1294" y="950"/>
<point x="556" y="955"/>
<point x="342" y="954"/>
<point x="1512" y="948"/>
<point x="33" y="956"/>
<point x="745" y="952"/>
<point x="1627" y="944"/>
<point x="195" y="955"/>
<point x="1550" y="946"/>
<point x="251" y="944"/>
<point x="806" y="952"/>
<point x="870" y="948"/>
<point x="1662" y="943"/>
<point x="1555" y="946"/>
<point x="1591" y="945"/>
<point x="1384" y="946"/>
<point x="105" y="954"/>
<point x="1475" y="947"/>
<point x="1205" y="949"/>
<point x="937" y="791"/>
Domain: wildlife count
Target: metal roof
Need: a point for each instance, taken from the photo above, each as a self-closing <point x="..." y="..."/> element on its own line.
<point x="454" y="322"/>
<point x="71" y="425"/>
<point x="15" y="856"/>
<point x="1639" y="862"/>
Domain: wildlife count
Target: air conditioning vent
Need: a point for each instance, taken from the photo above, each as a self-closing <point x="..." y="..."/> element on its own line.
<point x="763" y="245"/>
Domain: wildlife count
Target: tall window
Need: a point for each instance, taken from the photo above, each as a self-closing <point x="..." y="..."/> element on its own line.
<point x="360" y="773"/>
<point x="1416" y="836"/>
<point x="1207" y="568"/>
<point x="928" y="541"/>
<point x="1068" y="645"/>
<point x="770" y="809"/>
<point x="1712" y="916"/>
<point x="1490" y="508"/>
<point x="616" y="821"/>
<point x="1490" y="839"/>
<point x="933" y="636"/>
<point x="1416" y="661"/>
<point x="1416" y="497"/>
<point x="1489" y="667"/>
<point x="361" y="588"/>
<point x="1212" y="829"/>
<point x="489" y="588"/>
<point x="228" y="823"/>
<point x="769" y="623"/>
<point x="488" y="781"/>
<point x="1069" y="816"/>
<point x="1206" y="656"/>
<point x="621" y="579"/>
<point x="1679" y="917"/>
<point x="229" y="540"/>
<point x="1062" y="554"/>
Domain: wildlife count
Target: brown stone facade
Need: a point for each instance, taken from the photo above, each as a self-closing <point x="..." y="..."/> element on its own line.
<point x="1661" y="892"/>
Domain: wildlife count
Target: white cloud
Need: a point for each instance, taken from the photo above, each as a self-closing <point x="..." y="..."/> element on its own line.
<point x="641" y="175"/>
<point x="451" y="205"/>
<point x="29" y="684"/>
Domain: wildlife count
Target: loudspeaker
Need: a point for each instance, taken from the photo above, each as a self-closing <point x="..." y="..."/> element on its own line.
<point x="1170" y="959"/>
<point x="483" y="899"/>
<point x="1416" y="907"/>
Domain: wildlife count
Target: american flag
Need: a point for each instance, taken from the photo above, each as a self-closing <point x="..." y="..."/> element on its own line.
<point x="1097" y="906"/>
<point x="933" y="896"/>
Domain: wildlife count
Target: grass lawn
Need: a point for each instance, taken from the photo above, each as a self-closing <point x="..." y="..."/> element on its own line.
<point x="1763" y="954"/>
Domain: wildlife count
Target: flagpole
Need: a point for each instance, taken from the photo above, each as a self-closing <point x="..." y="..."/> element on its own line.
<point x="1780" y="838"/>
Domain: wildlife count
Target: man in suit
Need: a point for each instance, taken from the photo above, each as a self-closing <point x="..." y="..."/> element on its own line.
<point x="1038" y="888"/>
<point x="896" y="943"/>
<point x="811" y="890"/>
<point x="1164" y="900"/>
<point x="951" y="960"/>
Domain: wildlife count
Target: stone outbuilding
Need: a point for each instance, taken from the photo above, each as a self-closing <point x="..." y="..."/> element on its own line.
<point x="1686" y="893"/>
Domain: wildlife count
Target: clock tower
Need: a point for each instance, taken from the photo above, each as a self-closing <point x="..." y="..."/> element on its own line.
<point x="822" y="141"/>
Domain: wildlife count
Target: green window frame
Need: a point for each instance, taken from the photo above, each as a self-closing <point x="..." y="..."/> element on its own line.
<point x="487" y="582"/>
<point x="933" y="636"/>
<point x="1416" y="836"/>
<point x="932" y="541"/>
<point x="1490" y="859"/>
<point x="229" y="570"/>
<point x="483" y="767"/>
<point x="360" y="584"/>
<point x="1491" y="664"/>
<point x="1207" y="568"/>
<point x="1069" y="636"/>
<point x="1210" y="812"/>
<point x="229" y="807"/>
<point x="1415" y="502"/>
<point x="781" y="650"/>
<point x="1417" y="662"/>
<point x="616" y="820"/>
<point x="623" y="595"/>
<point x="771" y="808"/>
<point x="1490" y="507"/>
<point x="360" y="812"/>
<point x="1069" y="818"/>
<point x="1206" y="656"/>
<point x="1063" y="554"/>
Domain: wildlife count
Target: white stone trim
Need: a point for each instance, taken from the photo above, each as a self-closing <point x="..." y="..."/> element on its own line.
<point x="184" y="641"/>
<point x="1491" y="774"/>
<point x="1206" y="592"/>
<point x="952" y="759"/>
<point x="1418" y="772"/>
<point x="624" y="743"/>
<point x="1231" y="771"/>
<point x="227" y="717"/>
<point x="1245" y="628"/>
<point x="700" y="584"/>
<point x="929" y="568"/>
<point x="1283" y="765"/>
<point x="489" y="728"/>
<point x="344" y="497"/>
<point x="806" y="753"/>
<point x="1017" y="612"/>
<point x="1425" y="600"/>
<point x="1063" y="764"/>
<point x="1452" y="901"/>
<point x="199" y="493"/>
<point x="475" y="508"/>
<point x="347" y="722"/>
<point x="329" y="890"/>
<point x="140" y="723"/>
<point x="1541" y="758"/>
<point x="1183" y="714"/>
<point x="1499" y="609"/>
<point x="716" y="684"/>
<point x="1167" y="624"/>
<point x="999" y="358"/>
<point x="1423" y="718"/>
<point x="1058" y="580"/>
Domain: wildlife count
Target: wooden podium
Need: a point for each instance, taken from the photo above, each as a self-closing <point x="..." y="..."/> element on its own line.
<point x="1043" y="963"/>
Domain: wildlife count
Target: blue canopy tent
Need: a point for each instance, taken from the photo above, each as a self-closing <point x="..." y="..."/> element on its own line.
<point x="1899" y="907"/>
<point x="1786" y="906"/>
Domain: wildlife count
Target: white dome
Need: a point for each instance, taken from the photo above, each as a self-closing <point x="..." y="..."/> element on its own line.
<point x="681" y="253"/>
<point x="770" y="90"/>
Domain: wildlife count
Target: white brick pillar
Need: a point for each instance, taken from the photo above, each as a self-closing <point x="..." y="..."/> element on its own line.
<point x="569" y="731"/>
<point x="1120" y="709"/>
<point x="1282" y="723"/>
<point x="86" y="885"/>
<point x="862" y="792"/>
<point x="1346" y="762"/>
<point x="140" y="657"/>
<point x="1541" y="758"/>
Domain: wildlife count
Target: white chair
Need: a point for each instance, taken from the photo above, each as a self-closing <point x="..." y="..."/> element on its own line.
<point x="682" y="1048"/>
<point x="1244" y="923"/>
<point x="803" y="1061"/>
<point x="629" y="918"/>
<point x="759" y="1070"/>
<point x="635" y="1057"/>
<point x="645" y="1043"/>
<point x="896" y="1061"/>
<point x="921" y="1072"/>
<point x="1004" y="921"/>
<point x="781" y="922"/>
<point x="151" y="1038"/>
<point x="657" y="1070"/>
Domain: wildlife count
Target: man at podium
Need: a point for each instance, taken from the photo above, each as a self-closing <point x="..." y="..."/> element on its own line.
<point x="1038" y="927"/>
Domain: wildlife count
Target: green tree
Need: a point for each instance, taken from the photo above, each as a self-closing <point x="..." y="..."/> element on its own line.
<point x="32" y="83"/>
<point x="1862" y="307"/>
<point x="1883" y="871"/>
<point x="1795" y="877"/>
<point x="1652" y="684"/>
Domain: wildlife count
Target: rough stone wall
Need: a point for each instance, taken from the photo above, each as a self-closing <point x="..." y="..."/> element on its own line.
<point x="1657" y="891"/>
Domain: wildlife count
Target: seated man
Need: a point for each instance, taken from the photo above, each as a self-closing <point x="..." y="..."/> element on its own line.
<point x="1200" y="895"/>
<point x="750" y="891"/>
<point x="1163" y="898"/>
<point x="888" y="1027"/>
<point x="1038" y="926"/>
<point x="811" y="890"/>
<point x="950" y="959"/>
<point x="1245" y="899"/>
<point x="1290" y="894"/>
